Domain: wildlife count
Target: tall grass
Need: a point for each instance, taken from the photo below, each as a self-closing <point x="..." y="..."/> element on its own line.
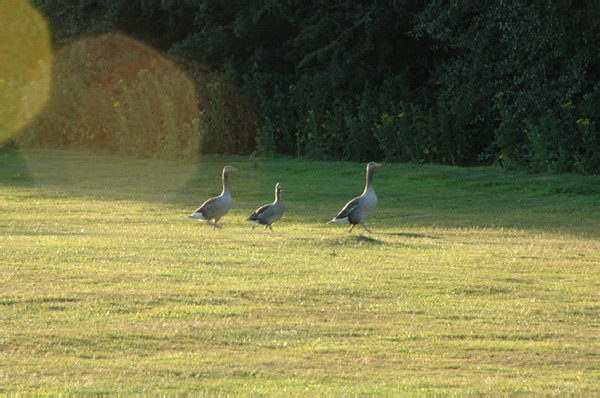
<point x="474" y="280"/>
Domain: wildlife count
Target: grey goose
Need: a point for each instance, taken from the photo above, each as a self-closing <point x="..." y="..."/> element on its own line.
<point x="217" y="207"/>
<point x="268" y="214"/>
<point x="358" y="209"/>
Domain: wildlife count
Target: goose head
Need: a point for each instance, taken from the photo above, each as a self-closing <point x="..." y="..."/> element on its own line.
<point x="229" y="169"/>
<point x="372" y="166"/>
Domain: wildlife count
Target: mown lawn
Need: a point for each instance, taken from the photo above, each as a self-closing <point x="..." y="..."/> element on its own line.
<point x="474" y="280"/>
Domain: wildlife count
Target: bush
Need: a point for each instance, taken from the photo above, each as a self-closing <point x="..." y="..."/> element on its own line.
<point x="228" y="121"/>
<point x="539" y="57"/>
<point x="564" y="139"/>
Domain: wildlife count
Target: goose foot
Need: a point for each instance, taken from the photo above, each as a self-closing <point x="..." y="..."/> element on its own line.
<point x="350" y="230"/>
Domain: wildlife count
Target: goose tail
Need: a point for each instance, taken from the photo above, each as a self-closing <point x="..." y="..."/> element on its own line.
<point x="198" y="216"/>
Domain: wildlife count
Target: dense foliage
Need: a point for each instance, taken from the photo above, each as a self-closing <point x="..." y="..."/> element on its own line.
<point x="463" y="85"/>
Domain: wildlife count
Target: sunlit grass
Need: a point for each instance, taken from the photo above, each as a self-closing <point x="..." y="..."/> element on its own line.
<point x="475" y="280"/>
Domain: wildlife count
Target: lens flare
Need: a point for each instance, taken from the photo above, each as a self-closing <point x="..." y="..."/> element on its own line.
<point x="25" y="65"/>
<point x="113" y="93"/>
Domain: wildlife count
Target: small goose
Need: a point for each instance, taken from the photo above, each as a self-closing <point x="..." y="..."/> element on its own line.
<point x="268" y="214"/>
<point x="217" y="207"/>
<point x="359" y="208"/>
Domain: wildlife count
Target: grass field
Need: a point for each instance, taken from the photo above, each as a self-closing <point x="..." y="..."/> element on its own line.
<point x="474" y="280"/>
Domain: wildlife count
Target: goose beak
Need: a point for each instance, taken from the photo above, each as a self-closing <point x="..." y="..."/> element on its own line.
<point x="377" y="165"/>
<point x="234" y="169"/>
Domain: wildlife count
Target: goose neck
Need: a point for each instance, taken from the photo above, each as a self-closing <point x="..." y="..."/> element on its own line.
<point x="225" y="183"/>
<point x="369" y="183"/>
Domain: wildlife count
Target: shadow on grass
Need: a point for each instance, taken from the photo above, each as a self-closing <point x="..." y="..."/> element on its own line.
<point x="13" y="168"/>
<point x="351" y="240"/>
<point x="368" y="240"/>
<point x="409" y="235"/>
<point x="364" y="240"/>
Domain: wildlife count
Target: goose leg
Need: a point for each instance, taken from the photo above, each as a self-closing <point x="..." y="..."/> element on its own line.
<point x="350" y="230"/>
<point x="270" y="227"/>
<point x="215" y="225"/>
<point x="367" y="229"/>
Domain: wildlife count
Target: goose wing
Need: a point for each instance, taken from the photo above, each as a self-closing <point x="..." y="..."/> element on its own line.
<point x="210" y="208"/>
<point x="260" y="212"/>
<point x="350" y="208"/>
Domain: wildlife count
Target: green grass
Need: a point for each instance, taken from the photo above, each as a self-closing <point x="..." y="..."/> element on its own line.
<point x="474" y="280"/>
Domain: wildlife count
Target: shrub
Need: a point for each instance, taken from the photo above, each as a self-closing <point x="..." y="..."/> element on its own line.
<point x="228" y="121"/>
<point x="563" y="139"/>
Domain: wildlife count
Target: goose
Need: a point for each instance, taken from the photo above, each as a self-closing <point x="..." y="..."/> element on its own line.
<point x="268" y="214"/>
<point x="359" y="208"/>
<point x="217" y="207"/>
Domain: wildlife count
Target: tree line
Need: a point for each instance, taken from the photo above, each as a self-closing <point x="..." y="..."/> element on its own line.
<point x="510" y="83"/>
